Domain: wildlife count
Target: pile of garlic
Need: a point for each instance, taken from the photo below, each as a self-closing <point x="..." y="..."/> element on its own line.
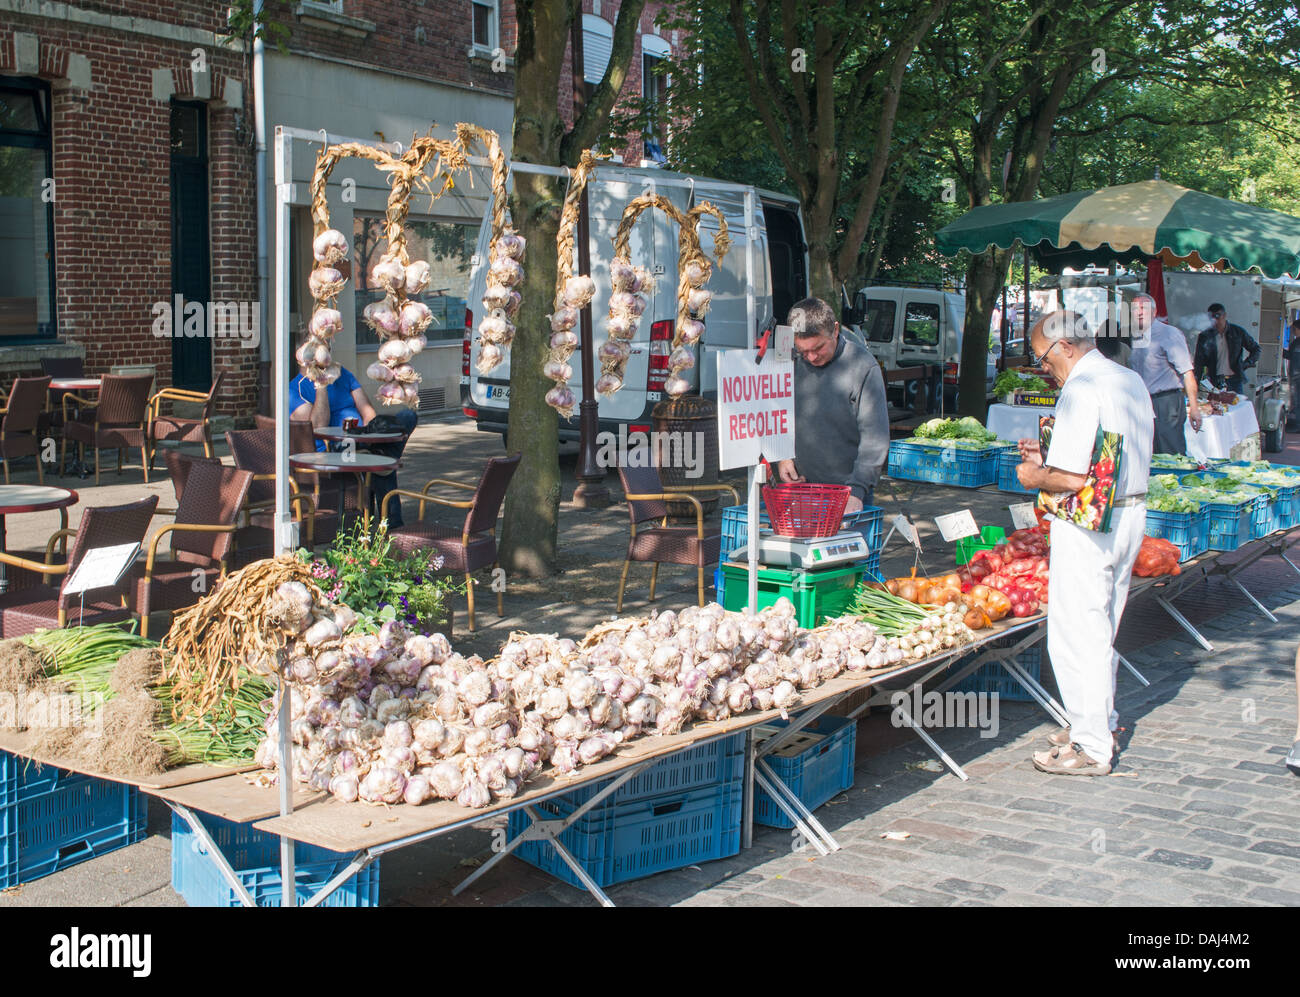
<point x="501" y="300"/>
<point x="627" y="304"/>
<point x="395" y="717"/>
<point x="576" y="294"/>
<point x="325" y="282"/>
<point x="400" y="322"/>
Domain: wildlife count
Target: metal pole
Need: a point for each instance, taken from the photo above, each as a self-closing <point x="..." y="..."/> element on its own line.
<point x="591" y="492"/>
<point x="1026" y="302"/>
<point x="259" y="168"/>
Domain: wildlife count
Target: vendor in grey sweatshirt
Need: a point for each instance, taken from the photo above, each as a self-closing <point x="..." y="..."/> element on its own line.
<point x="841" y="422"/>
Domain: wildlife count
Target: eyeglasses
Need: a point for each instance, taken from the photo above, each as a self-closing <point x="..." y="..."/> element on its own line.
<point x="1038" y="361"/>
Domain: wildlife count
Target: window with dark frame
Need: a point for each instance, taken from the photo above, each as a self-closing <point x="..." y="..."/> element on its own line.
<point x="27" y="193"/>
<point x="485" y="24"/>
<point x="921" y="326"/>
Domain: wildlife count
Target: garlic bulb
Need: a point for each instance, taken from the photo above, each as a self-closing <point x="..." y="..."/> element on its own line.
<point x="330" y="246"/>
<point x="415" y="318"/>
<point x="389" y="275"/>
<point x="417" y="277"/>
<point x="326" y="322"/>
<point x="579" y="290"/>
<point x="510" y="244"/>
<point x="382" y="318"/>
<point x="690" y="330"/>
<point x="563" y="319"/>
<point x="490" y="357"/>
<point x="506" y="272"/>
<point x="325" y="282"/>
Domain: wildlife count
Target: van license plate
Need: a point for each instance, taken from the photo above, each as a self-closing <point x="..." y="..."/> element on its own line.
<point x="501" y="391"/>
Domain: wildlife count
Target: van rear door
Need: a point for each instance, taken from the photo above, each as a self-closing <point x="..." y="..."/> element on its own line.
<point x="727" y="325"/>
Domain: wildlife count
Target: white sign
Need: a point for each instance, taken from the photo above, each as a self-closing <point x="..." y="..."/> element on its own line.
<point x="755" y="409"/>
<point x="1022" y="515"/>
<point x="907" y="531"/>
<point x="101" y="568"/>
<point x="957" y="525"/>
<point x="782" y="343"/>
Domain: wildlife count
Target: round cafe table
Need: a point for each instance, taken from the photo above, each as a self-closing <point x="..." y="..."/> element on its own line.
<point x="336" y="434"/>
<point x="75" y="383"/>
<point x="31" y="498"/>
<point x="363" y="465"/>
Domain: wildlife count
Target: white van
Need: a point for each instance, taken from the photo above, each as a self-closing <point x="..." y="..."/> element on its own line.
<point x="780" y="266"/>
<point x="906" y="325"/>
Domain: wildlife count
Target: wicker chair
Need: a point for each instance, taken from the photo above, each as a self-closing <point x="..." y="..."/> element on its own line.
<point x="116" y="421"/>
<point x="254" y="450"/>
<point x="474" y="545"/>
<point x="209" y="503"/>
<point x="647" y="499"/>
<point x="19" y="422"/>
<point x="45" y="606"/>
<point x="178" y="429"/>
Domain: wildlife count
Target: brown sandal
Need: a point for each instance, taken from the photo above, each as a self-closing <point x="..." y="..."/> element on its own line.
<point x="1060" y="738"/>
<point x="1069" y="760"/>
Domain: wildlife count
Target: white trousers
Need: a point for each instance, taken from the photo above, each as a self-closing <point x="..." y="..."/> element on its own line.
<point x="1090" y="574"/>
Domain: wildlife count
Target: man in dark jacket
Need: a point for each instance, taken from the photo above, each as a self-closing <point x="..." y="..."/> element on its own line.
<point x="1219" y="350"/>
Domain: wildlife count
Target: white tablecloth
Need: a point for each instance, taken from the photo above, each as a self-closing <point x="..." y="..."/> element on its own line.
<point x="1217" y="436"/>
<point x="1016" y="422"/>
<point x="1219" y="432"/>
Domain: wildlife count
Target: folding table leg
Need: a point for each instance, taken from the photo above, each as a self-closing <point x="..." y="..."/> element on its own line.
<point x="1182" y="621"/>
<point x="1129" y="665"/>
<point x="1246" y="592"/>
<point x="919" y="731"/>
<point x="214" y="853"/>
<point x="359" y="862"/>
<point x="802" y="821"/>
<point x="1282" y="554"/>
<point x="1035" y="689"/>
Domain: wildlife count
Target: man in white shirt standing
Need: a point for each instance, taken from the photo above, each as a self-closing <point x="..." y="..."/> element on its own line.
<point x="1161" y="357"/>
<point x="1089" y="570"/>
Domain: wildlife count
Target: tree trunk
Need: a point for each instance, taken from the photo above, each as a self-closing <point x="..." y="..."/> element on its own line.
<point x="820" y="276"/>
<point x="984" y="279"/>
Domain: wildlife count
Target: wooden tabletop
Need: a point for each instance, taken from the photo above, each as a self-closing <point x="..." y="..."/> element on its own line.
<point x="356" y="463"/>
<point x="34" y="498"/>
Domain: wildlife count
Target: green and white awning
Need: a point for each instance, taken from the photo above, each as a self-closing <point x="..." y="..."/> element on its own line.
<point x="1133" y="222"/>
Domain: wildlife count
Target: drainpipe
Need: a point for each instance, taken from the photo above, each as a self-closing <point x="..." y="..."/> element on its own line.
<point x="259" y="166"/>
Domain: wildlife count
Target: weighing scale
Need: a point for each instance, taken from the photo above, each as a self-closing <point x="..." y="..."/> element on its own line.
<point x="806" y="552"/>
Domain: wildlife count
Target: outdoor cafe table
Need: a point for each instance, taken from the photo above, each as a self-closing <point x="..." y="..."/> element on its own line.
<point x="75" y="383"/>
<point x="31" y="498"/>
<point x="363" y="465"/>
<point x="336" y="434"/>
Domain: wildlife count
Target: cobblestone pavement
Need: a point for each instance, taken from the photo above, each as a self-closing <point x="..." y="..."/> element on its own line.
<point x="1200" y="809"/>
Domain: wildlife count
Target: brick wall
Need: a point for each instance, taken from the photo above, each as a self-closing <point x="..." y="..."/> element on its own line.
<point x="112" y="213"/>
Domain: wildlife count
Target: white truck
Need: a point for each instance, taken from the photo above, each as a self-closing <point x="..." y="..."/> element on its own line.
<point x="1260" y="306"/>
<point x="779" y="265"/>
<point x="909" y="325"/>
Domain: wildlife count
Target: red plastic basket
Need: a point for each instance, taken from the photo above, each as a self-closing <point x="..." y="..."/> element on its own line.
<point x="804" y="510"/>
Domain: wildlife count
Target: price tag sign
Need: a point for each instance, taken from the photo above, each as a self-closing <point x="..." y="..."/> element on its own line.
<point x="783" y="342"/>
<point x="957" y="525"/>
<point x="101" y="568"/>
<point x="1022" y="515"/>
<point x="907" y="531"/>
<point x="755" y="409"/>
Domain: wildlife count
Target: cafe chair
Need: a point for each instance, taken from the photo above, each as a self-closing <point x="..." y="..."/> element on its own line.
<point x="177" y="429"/>
<point x="20" y="422"/>
<point x="202" y="535"/>
<point x="474" y="544"/>
<point x="254" y="450"/>
<point x="647" y="500"/>
<point x="117" y="420"/>
<point x="45" y="606"/>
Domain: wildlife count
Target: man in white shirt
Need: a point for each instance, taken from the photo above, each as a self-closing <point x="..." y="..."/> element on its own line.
<point x="1161" y="357"/>
<point x="1089" y="571"/>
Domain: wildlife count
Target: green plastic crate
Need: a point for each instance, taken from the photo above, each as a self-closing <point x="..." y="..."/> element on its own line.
<point x="968" y="547"/>
<point x="817" y="595"/>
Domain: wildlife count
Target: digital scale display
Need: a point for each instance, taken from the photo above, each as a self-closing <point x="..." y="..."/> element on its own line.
<point x="795" y="552"/>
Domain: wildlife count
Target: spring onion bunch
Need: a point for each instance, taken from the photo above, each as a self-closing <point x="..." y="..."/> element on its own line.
<point x="84" y="657"/>
<point x="915" y="632"/>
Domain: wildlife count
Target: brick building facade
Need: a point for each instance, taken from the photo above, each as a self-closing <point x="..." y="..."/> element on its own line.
<point x="112" y="71"/>
<point x="151" y="142"/>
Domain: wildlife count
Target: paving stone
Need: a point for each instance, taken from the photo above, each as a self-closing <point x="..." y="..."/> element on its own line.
<point x="1208" y="807"/>
<point x="919" y="898"/>
<point x="755" y="900"/>
<point x="1276" y="848"/>
<point x="1005" y="844"/>
<point x="1273" y="895"/>
<point x="981" y="891"/>
<point x="1073" y="891"/>
<point x="1161" y="813"/>
<point x="1220" y="837"/>
<point x="1261" y="767"/>
<point x="1249" y="873"/>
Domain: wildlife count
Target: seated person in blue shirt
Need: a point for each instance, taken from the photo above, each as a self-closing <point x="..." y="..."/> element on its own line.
<point x="344" y="399"/>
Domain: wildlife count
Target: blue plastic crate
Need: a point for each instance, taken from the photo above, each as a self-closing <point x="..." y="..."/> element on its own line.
<point x="1264" y="518"/>
<point x="719" y="586"/>
<point x="1288" y="508"/>
<point x="718" y="761"/>
<point x="735" y="530"/>
<point x="954" y="467"/>
<point x="815" y="774"/>
<point x="1188" y="531"/>
<point x="1229" y="525"/>
<point x="255" y="858"/>
<point x="51" y="819"/>
<point x="639" y="838"/>
<point x="992" y="678"/>
<point x="1008" y="461"/>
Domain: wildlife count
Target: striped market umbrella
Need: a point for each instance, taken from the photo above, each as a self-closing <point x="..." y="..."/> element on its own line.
<point x="1131" y="223"/>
